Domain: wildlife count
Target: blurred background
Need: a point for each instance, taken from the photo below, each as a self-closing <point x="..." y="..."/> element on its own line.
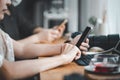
<point x="47" y="13"/>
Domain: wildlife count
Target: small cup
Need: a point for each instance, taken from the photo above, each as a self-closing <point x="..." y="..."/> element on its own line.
<point x="105" y="63"/>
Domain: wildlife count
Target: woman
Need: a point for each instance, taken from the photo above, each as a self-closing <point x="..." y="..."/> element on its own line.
<point x="9" y="49"/>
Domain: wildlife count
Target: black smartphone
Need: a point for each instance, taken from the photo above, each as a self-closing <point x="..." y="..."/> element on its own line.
<point x="84" y="36"/>
<point x="64" y="22"/>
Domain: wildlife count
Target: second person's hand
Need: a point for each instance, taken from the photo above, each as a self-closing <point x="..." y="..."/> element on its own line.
<point x="48" y="35"/>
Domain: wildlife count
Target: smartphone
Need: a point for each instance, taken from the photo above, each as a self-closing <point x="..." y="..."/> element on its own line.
<point x="84" y="36"/>
<point x="61" y="27"/>
<point x="64" y="22"/>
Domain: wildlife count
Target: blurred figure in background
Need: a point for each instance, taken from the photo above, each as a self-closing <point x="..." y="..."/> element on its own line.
<point x="21" y="28"/>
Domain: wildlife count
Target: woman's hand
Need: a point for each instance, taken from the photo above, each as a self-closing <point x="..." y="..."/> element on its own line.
<point x="84" y="46"/>
<point x="61" y="29"/>
<point x="70" y="52"/>
<point x="48" y="35"/>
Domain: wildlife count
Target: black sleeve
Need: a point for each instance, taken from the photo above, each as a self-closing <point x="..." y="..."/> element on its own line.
<point x="25" y="27"/>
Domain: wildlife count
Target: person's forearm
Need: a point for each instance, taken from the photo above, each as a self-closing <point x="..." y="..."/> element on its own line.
<point x="27" y="68"/>
<point x="36" y="50"/>
<point x="37" y="30"/>
<point x="31" y="39"/>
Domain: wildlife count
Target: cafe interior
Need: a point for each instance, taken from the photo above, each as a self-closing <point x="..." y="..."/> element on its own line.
<point x="98" y="20"/>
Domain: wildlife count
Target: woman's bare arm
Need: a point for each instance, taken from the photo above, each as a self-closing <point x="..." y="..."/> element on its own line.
<point x="36" y="50"/>
<point x="27" y="68"/>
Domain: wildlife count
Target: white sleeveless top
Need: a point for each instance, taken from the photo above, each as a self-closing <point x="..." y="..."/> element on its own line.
<point x="6" y="47"/>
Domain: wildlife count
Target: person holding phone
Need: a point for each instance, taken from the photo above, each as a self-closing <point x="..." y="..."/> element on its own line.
<point x="21" y="29"/>
<point x="9" y="49"/>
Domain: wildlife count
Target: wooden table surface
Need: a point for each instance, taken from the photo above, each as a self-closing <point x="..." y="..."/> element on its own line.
<point x="59" y="72"/>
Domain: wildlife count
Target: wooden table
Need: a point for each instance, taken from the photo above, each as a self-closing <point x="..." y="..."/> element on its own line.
<point x="59" y="72"/>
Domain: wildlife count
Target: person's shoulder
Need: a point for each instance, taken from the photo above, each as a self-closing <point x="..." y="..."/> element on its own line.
<point x="3" y="34"/>
<point x="1" y="31"/>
